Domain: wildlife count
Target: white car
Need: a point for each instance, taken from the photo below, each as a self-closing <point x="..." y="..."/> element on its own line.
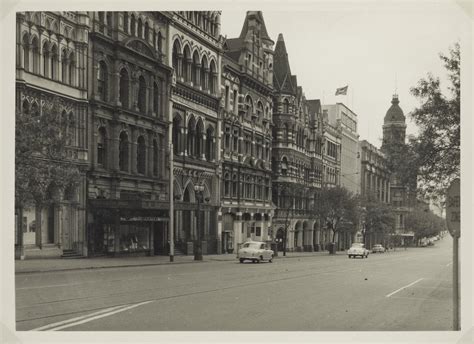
<point x="358" y="250"/>
<point x="255" y="251"/>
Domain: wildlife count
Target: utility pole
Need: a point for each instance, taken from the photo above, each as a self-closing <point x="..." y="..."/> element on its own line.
<point x="453" y="221"/>
<point x="171" y="214"/>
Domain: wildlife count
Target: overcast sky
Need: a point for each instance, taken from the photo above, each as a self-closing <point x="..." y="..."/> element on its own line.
<point x="374" y="48"/>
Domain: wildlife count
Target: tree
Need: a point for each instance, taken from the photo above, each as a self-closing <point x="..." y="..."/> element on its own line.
<point x="41" y="162"/>
<point x="424" y="223"/>
<point x="437" y="145"/>
<point x="338" y="210"/>
<point x="378" y="218"/>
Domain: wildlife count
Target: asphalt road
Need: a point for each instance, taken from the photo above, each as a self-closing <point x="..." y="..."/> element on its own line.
<point x="403" y="290"/>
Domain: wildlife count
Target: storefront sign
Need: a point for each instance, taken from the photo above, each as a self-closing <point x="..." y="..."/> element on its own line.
<point x="144" y="219"/>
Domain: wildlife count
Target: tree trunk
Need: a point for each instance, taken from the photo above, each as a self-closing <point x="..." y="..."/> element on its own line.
<point x="38" y="220"/>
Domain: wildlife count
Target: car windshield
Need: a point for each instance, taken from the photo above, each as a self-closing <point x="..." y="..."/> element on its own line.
<point x="357" y="245"/>
<point x="252" y="245"/>
<point x="377" y="245"/>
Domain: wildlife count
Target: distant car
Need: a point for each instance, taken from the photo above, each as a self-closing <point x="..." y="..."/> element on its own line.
<point x="255" y="251"/>
<point x="378" y="249"/>
<point x="358" y="250"/>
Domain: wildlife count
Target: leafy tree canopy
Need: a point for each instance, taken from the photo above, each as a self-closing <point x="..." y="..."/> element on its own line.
<point x="41" y="165"/>
<point x="437" y="147"/>
<point x="338" y="209"/>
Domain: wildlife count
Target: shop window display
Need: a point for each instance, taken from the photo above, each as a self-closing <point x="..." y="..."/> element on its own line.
<point x="134" y="237"/>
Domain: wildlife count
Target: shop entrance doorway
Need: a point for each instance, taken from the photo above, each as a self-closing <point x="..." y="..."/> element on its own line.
<point x="160" y="238"/>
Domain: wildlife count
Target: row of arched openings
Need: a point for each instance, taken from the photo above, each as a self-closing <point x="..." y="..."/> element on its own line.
<point x="200" y="72"/>
<point x="47" y="61"/>
<point x="124" y="152"/>
<point x="193" y="139"/>
<point x="124" y="89"/>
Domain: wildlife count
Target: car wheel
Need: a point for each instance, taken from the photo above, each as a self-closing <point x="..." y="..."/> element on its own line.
<point x="350" y="256"/>
<point x="241" y="260"/>
<point x="270" y="260"/>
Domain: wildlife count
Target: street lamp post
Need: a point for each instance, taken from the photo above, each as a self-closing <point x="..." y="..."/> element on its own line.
<point x="198" y="189"/>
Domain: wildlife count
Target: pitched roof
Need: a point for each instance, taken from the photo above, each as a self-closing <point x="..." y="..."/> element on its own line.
<point x="283" y="81"/>
<point x="314" y="105"/>
<point x="259" y="16"/>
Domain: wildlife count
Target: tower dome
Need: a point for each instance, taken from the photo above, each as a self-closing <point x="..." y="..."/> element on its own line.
<point x="394" y="113"/>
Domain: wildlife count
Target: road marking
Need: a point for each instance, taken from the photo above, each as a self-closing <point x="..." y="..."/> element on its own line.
<point x="409" y="285"/>
<point x="100" y="316"/>
<point x="88" y="317"/>
<point x="42" y="328"/>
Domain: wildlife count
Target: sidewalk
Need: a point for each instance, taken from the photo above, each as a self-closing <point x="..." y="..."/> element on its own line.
<point x="61" y="264"/>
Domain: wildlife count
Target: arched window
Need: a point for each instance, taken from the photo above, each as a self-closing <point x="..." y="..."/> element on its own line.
<point x="140" y="28"/>
<point x="46" y="63"/>
<point x="124" y="93"/>
<point x="227" y="185"/>
<point x="160" y="43"/>
<point x="284" y="166"/>
<point x="155" y="157"/>
<point x="133" y="24"/>
<point x="259" y="110"/>
<point x="248" y="105"/>
<point x="123" y="152"/>
<point x="147" y="32"/>
<point x="209" y="143"/>
<point x="36" y="56"/>
<point x="141" y="155"/>
<point x="248" y="187"/>
<point x="142" y="94"/>
<point x="72" y="69"/>
<point x="64" y="63"/>
<point x="286" y="106"/>
<point x="125" y="22"/>
<point x="198" y="140"/>
<point x="102" y="81"/>
<point x="186" y="61"/>
<point x="212" y="78"/>
<point x="194" y="69"/>
<point x="204" y="74"/>
<point x="156" y="98"/>
<point x="235" y="186"/>
<point x="191" y="137"/>
<point x="177" y="135"/>
<point x="102" y="147"/>
<point x="175" y="57"/>
<point x="26" y="52"/>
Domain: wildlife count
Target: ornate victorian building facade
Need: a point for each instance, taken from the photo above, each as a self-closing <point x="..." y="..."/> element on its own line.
<point x="51" y="65"/>
<point x="297" y="161"/>
<point x="129" y="87"/>
<point x="247" y="86"/>
<point x="194" y="52"/>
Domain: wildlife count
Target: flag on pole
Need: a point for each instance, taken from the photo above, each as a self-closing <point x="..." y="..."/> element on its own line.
<point x="342" y="90"/>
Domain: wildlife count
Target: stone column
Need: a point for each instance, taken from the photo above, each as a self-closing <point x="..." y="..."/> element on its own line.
<point x="317" y="241"/>
<point x="188" y="77"/>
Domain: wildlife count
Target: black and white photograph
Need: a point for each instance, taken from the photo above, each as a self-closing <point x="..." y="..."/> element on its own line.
<point x="237" y="172"/>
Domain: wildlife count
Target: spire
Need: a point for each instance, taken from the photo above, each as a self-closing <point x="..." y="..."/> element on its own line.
<point x="252" y="19"/>
<point x="394" y="113"/>
<point x="282" y="78"/>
